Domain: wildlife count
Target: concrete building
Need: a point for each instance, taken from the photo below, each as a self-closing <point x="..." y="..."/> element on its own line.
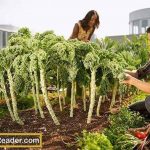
<point x="139" y="20"/>
<point x="5" y="31"/>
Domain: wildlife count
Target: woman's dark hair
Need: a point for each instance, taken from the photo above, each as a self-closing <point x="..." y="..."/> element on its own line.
<point x="148" y="30"/>
<point x="84" y="22"/>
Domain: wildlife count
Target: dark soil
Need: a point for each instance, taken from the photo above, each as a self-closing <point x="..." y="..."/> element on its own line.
<point x="61" y="137"/>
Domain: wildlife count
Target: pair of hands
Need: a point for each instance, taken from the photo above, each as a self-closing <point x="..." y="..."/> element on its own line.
<point x="131" y="77"/>
<point x="145" y="129"/>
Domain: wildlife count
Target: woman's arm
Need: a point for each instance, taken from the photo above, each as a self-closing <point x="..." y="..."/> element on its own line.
<point x="141" y="72"/>
<point x="143" y="86"/>
<point x="144" y="70"/>
<point x="75" y="32"/>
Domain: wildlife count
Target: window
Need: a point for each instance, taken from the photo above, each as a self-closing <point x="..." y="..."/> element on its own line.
<point x="144" y="26"/>
<point x="135" y="27"/>
<point x="130" y="28"/>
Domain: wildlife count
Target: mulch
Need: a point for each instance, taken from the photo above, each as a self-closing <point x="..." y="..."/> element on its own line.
<point x="63" y="137"/>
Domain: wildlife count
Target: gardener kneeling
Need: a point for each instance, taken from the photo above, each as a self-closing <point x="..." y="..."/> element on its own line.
<point x="143" y="107"/>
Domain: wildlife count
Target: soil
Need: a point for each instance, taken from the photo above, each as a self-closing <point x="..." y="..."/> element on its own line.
<point x="63" y="137"/>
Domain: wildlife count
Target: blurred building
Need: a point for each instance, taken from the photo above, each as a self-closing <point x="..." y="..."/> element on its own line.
<point x="139" y="20"/>
<point x="5" y="31"/>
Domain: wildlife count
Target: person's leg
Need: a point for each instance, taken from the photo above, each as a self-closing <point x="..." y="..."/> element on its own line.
<point x="140" y="107"/>
<point x="147" y="105"/>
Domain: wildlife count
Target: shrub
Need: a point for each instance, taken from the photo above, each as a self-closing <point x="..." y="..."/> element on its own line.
<point x="126" y="118"/>
<point x="126" y="142"/>
<point x="119" y="125"/>
<point x="25" y="102"/>
<point x="94" y="141"/>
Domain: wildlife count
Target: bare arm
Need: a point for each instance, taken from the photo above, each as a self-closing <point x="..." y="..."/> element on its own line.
<point x="141" y="72"/>
<point x="75" y="32"/>
<point x="143" y="86"/>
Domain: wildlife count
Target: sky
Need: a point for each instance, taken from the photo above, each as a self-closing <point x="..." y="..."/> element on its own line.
<point x="61" y="15"/>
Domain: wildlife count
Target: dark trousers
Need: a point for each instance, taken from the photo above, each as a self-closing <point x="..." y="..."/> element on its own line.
<point x="141" y="108"/>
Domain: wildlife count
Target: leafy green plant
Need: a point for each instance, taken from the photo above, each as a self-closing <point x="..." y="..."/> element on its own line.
<point x="94" y="141"/>
<point x="3" y="110"/>
<point x="25" y="102"/>
<point x="122" y="77"/>
<point x="119" y="125"/>
<point x="126" y="142"/>
<point x="92" y="62"/>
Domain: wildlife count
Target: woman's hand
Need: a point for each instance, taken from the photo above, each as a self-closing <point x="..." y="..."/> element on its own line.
<point x="129" y="79"/>
<point x="141" y="85"/>
<point x="133" y="73"/>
